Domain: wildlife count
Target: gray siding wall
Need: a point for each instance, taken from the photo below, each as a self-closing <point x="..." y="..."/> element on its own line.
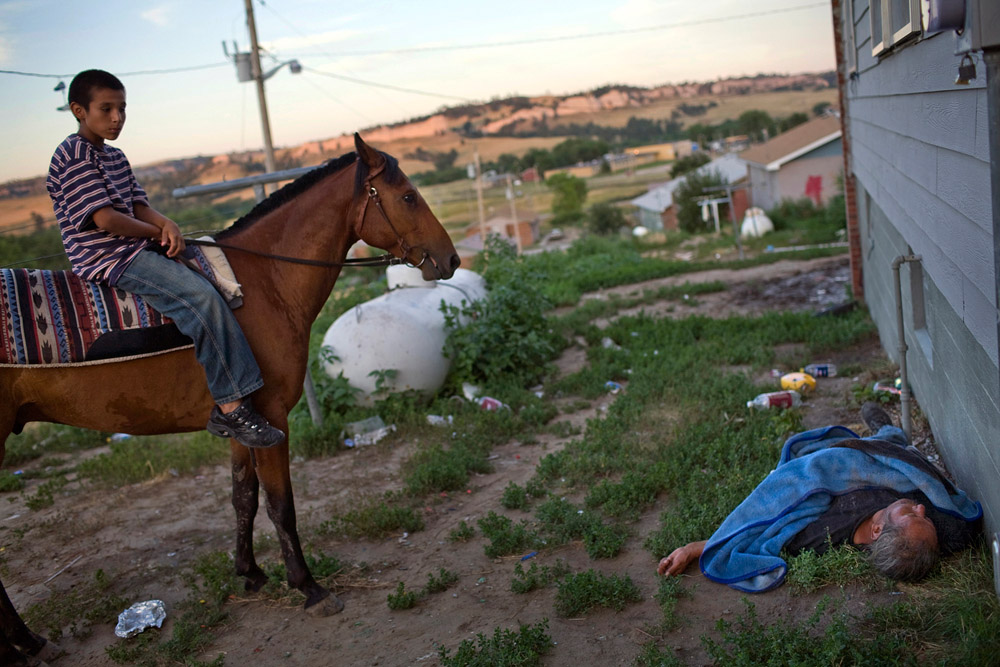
<point x="920" y="156"/>
<point x="952" y="377"/>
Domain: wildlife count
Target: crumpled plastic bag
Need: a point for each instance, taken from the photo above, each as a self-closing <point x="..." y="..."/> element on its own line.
<point x="140" y="616"/>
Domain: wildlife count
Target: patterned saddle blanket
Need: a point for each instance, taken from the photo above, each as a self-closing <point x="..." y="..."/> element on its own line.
<point x="55" y="317"/>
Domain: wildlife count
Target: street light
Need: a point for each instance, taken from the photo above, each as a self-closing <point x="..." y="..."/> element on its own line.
<point x="248" y="69"/>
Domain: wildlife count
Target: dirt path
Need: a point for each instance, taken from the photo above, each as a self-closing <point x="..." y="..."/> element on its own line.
<point x="143" y="535"/>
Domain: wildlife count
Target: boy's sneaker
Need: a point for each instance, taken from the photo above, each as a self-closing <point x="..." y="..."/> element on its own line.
<point x="246" y="425"/>
<point x="875" y="417"/>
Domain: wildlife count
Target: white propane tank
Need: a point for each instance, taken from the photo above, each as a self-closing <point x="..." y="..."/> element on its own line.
<point x="755" y="223"/>
<point x="402" y="330"/>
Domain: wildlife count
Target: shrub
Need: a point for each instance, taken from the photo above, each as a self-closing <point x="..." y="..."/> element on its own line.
<point x="605" y="219"/>
<point x="686" y="197"/>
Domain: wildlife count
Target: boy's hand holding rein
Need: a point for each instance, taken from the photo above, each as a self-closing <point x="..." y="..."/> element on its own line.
<point x="147" y="223"/>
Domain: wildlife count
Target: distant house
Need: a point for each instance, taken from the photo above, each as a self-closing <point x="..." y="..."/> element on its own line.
<point x="656" y="210"/>
<point x="805" y="161"/>
<point x="524" y="229"/>
<point x="922" y="152"/>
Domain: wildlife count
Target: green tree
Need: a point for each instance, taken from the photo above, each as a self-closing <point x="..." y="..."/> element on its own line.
<point x="788" y="122"/>
<point x="569" y="194"/>
<point x="820" y="108"/>
<point x="754" y="123"/>
<point x="605" y="219"/>
<point x="688" y="163"/>
<point x="577" y="149"/>
<point x="509" y="163"/>
<point x="443" y="161"/>
<point x="686" y="198"/>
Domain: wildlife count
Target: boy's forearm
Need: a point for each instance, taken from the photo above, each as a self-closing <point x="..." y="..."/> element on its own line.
<point x="115" y="222"/>
<point x="150" y="215"/>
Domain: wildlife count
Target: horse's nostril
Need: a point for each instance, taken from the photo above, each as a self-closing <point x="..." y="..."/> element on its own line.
<point x="455" y="262"/>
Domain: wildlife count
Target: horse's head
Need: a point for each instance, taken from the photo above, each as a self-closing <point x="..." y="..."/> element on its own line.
<point x="393" y="216"/>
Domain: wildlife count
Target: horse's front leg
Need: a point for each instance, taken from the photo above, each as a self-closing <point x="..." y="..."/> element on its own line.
<point x="18" y="644"/>
<point x="245" y="489"/>
<point x="272" y="470"/>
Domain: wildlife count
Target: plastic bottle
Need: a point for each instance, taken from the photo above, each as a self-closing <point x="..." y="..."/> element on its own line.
<point x="776" y="399"/>
<point x="886" y="388"/>
<point x="821" y="370"/>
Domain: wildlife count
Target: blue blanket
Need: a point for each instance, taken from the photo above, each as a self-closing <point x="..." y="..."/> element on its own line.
<point x="744" y="551"/>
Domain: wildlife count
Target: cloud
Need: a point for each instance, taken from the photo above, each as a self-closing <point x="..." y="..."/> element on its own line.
<point x="6" y="50"/>
<point x="157" y="15"/>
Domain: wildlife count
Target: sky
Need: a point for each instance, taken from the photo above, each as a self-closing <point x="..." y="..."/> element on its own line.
<point x="363" y="63"/>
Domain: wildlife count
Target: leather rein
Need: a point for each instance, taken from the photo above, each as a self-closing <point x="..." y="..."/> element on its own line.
<point x="381" y="260"/>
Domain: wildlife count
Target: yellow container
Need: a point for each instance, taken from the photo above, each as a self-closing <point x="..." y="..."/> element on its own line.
<point x="800" y="382"/>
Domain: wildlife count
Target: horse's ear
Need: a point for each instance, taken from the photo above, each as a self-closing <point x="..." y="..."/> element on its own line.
<point x="368" y="155"/>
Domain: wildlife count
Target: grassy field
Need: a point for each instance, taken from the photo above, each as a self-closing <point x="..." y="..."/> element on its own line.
<point x="630" y="478"/>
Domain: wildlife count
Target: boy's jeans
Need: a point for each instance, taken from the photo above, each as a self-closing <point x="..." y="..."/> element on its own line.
<point x="200" y="313"/>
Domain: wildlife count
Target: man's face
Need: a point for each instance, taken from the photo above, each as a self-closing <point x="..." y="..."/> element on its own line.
<point x="104" y="117"/>
<point x="911" y="518"/>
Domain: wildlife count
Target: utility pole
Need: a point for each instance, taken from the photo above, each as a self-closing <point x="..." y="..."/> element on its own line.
<point x="258" y="78"/>
<point x="479" y="199"/>
<point x="270" y="166"/>
<point x="512" y="195"/>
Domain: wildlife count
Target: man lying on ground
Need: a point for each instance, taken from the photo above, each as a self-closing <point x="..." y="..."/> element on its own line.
<point x="832" y="487"/>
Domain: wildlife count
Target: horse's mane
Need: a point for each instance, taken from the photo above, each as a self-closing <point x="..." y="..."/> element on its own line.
<point x="392" y="173"/>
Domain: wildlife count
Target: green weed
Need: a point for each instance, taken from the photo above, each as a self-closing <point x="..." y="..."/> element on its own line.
<point x="440" y="582"/>
<point x="579" y="593"/>
<point x="652" y="656"/>
<point x="374" y="520"/>
<point x="560" y="521"/>
<point x="514" y="497"/>
<point x="44" y="495"/>
<point x="667" y="595"/>
<point x="143" y="458"/>
<point x="537" y="577"/>
<point x="402" y="598"/>
<point x="523" y="648"/>
<point x="838" y="566"/>
<point x="10" y="482"/>
<point x="463" y="533"/>
<point x="41" y="439"/>
<point x="506" y="537"/>
<point x="750" y="642"/>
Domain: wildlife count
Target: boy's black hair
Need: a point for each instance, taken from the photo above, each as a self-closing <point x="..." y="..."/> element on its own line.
<point x="82" y="87"/>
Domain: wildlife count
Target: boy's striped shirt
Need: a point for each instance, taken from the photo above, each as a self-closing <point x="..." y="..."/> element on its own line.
<point x="84" y="179"/>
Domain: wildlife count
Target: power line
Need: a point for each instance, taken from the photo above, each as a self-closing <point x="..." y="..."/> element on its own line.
<point x="385" y="85"/>
<point x="589" y="35"/>
<point x="172" y="70"/>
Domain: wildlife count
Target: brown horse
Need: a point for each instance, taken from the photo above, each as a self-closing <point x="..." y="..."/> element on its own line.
<point x="317" y="218"/>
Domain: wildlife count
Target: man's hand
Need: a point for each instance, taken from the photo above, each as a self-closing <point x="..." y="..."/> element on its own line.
<point x="679" y="559"/>
<point x="171" y="238"/>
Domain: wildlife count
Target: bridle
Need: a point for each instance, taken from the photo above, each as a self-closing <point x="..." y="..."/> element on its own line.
<point x="373" y="197"/>
<point x="381" y="260"/>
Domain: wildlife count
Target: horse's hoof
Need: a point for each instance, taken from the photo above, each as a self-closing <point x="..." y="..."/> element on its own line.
<point x="328" y="606"/>
<point x="254" y="582"/>
<point x="49" y="652"/>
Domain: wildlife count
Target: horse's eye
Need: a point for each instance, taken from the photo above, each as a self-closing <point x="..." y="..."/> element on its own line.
<point x="410" y="198"/>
